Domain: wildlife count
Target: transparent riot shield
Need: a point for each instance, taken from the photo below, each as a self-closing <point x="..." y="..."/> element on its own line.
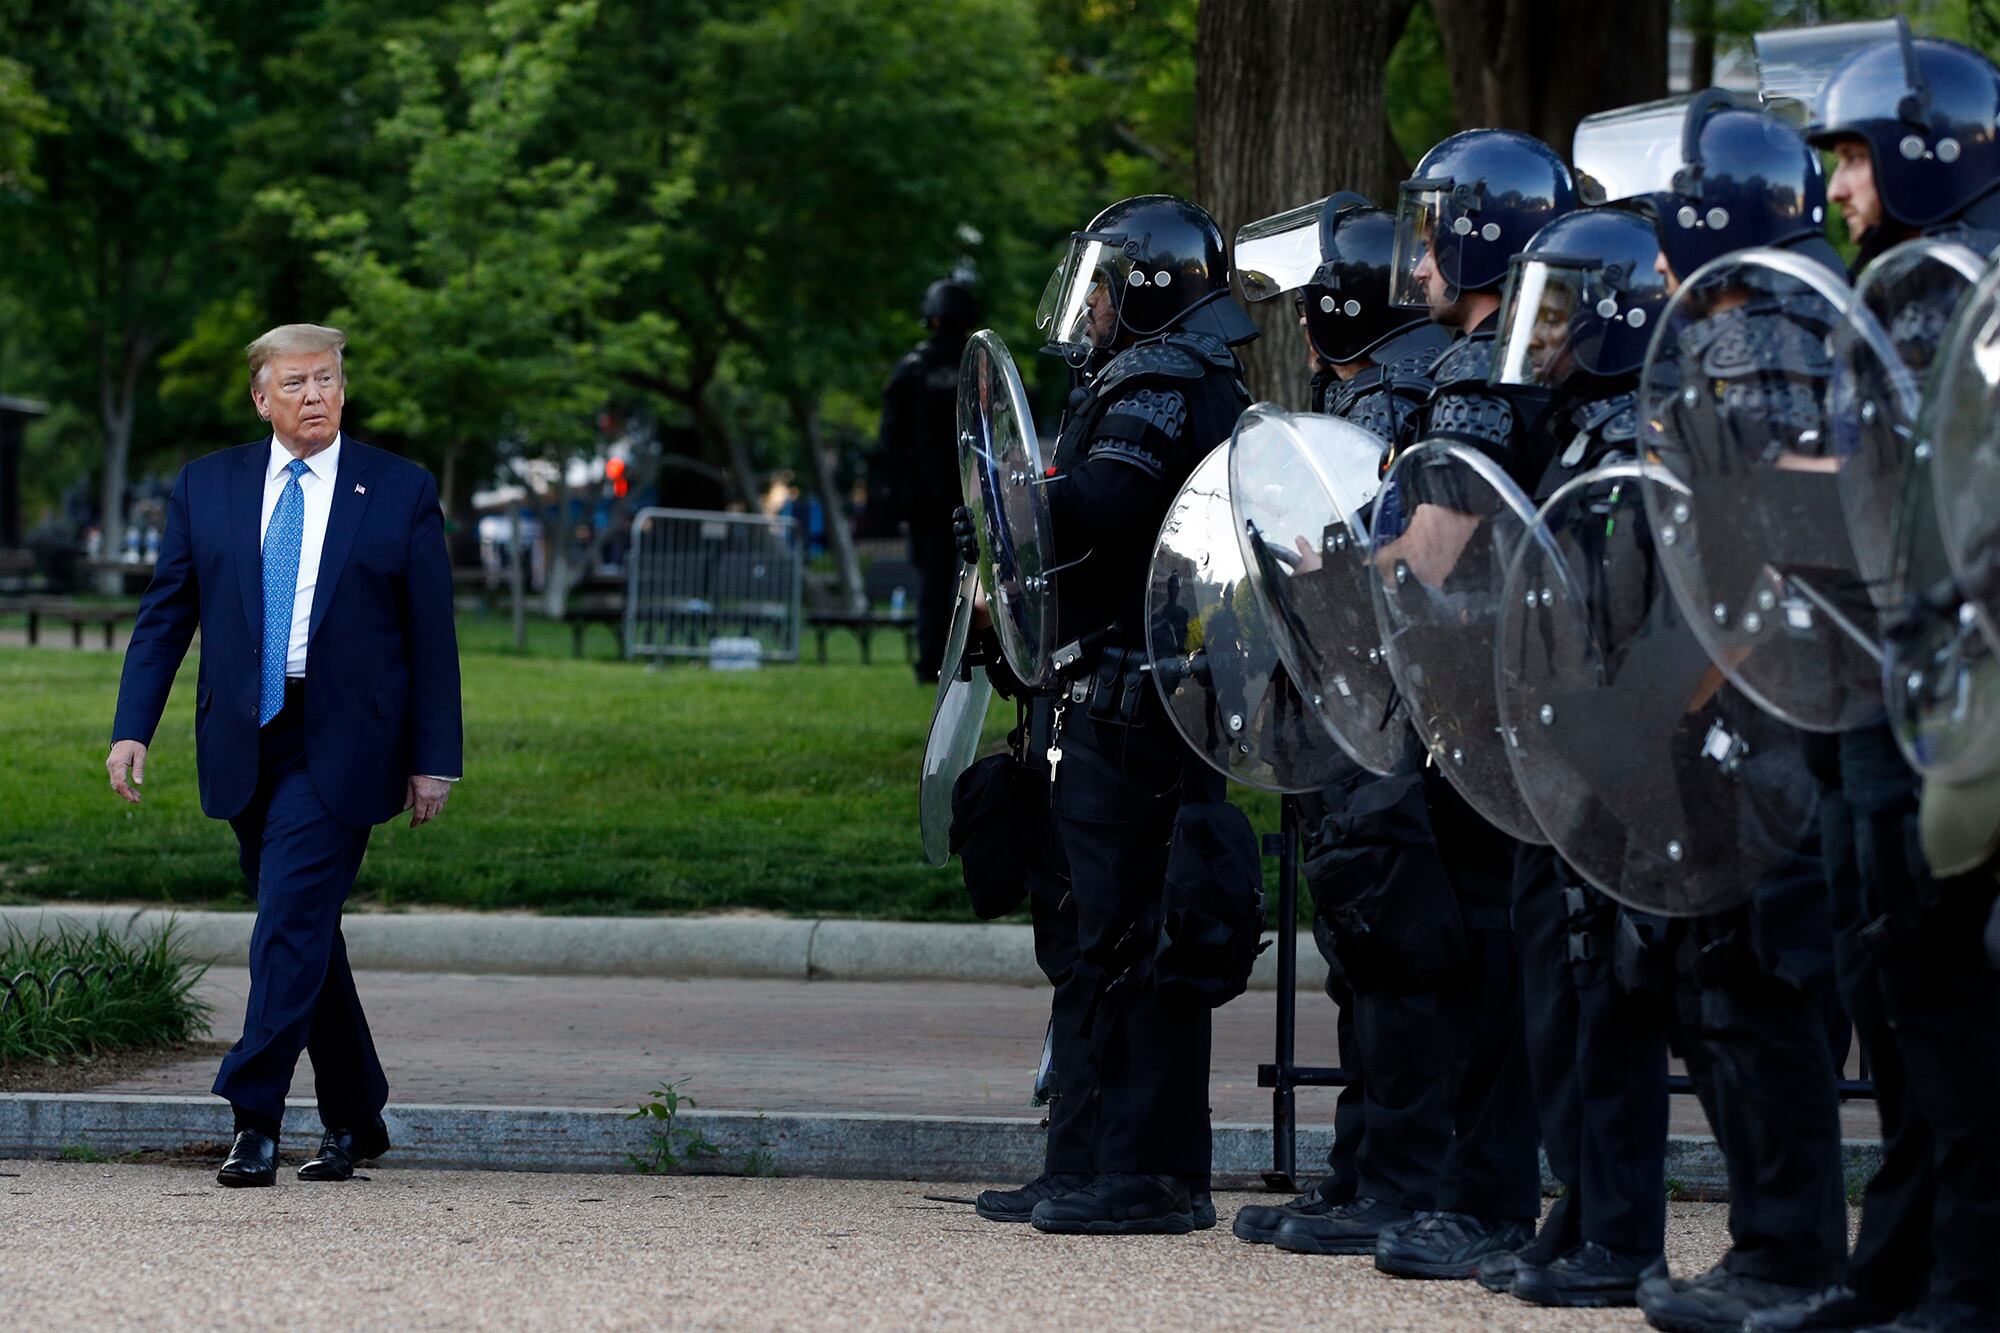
<point x="1214" y="650"/>
<point x="1651" y="774"/>
<point x="1940" y="675"/>
<point x="1002" y="473"/>
<point x="1904" y="301"/>
<point x="957" y="724"/>
<point x="1737" y="395"/>
<point x="1446" y="525"/>
<point x="1792" y="63"/>
<point x="1960" y="430"/>
<point x="1301" y="486"/>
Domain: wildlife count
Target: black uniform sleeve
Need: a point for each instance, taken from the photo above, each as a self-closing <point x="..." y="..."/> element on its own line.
<point x="902" y="418"/>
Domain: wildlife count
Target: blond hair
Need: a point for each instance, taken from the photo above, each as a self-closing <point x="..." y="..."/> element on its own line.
<point x="295" y="340"/>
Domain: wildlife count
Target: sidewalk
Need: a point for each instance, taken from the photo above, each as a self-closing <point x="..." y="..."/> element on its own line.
<point x="951" y="1049"/>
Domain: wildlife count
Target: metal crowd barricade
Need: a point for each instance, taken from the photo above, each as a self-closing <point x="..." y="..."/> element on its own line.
<point x="695" y="580"/>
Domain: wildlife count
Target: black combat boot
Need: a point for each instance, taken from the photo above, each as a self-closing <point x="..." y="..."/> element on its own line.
<point x="1589" y="1277"/>
<point x="1120" y="1205"/>
<point x="1019" y="1205"/>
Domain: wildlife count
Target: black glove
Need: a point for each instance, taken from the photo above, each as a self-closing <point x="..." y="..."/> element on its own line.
<point x="982" y="649"/>
<point x="965" y="534"/>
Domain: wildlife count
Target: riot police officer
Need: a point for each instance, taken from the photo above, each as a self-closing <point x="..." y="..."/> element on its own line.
<point x="1753" y="1014"/>
<point x="1392" y="1122"/>
<point x="1148" y="281"/>
<point x="1582" y="302"/>
<point x="1475" y="201"/>
<point x="1912" y="123"/>
<point x="919" y="436"/>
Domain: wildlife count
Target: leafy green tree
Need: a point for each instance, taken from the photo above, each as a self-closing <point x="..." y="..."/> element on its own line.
<point x="105" y="258"/>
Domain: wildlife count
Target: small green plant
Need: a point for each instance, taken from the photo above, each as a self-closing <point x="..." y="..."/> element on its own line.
<point x="75" y="994"/>
<point x="759" y="1162"/>
<point x="81" y="1152"/>
<point x="674" y="1145"/>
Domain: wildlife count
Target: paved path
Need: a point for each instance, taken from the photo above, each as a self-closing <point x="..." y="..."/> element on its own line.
<point x="897" y="1047"/>
<point x="162" y="1248"/>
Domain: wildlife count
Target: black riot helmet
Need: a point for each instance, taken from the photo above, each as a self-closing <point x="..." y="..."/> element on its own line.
<point x="1333" y="256"/>
<point x="1475" y="200"/>
<point x="1927" y="110"/>
<point x="1145" y="266"/>
<point x="1742" y="178"/>
<point x="1583" y="297"/>
<point x="952" y="307"/>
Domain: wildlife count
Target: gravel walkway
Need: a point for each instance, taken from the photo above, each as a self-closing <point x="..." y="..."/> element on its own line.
<point x="162" y="1248"/>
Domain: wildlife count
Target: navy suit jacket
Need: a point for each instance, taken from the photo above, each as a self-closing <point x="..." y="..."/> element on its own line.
<point x="381" y="696"/>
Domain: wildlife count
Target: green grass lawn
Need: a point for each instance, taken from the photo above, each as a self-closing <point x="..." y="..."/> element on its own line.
<point x="591" y="787"/>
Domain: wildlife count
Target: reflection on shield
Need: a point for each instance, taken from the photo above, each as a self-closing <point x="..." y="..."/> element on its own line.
<point x="956" y="726"/>
<point x="1301" y="486"/>
<point x="1961" y="439"/>
<point x="1738" y="393"/>
<point x="1654" y="777"/>
<point x="1214" y="650"/>
<point x="1001" y="473"/>
<point x="1447" y="524"/>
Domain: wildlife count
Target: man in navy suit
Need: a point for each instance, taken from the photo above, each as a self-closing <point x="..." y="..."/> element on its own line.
<point x="327" y="702"/>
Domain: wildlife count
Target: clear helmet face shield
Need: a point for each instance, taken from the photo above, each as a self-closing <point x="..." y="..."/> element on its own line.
<point x="1280" y="253"/>
<point x="1793" y="63"/>
<point x="1421" y="210"/>
<point x="1633" y="150"/>
<point x="1553" y="319"/>
<point x="1079" y="310"/>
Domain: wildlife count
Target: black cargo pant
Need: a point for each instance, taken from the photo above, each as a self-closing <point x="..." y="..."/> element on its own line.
<point x="1763" y="1038"/>
<point x="1392" y="1122"/>
<point x="1927" y="1006"/>
<point x="934" y="551"/>
<point x="1115" y="794"/>
<point x="1493" y="1170"/>
<point x="1598" y="1057"/>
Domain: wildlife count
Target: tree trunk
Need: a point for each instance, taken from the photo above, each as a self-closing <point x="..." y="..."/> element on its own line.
<point x="1288" y="109"/>
<point x="1541" y="66"/>
<point x="839" y="531"/>
<point x="558" y="541"/>
<point x="1701" y="49"/>
<point x="711" y="424"/>
<point x="517" y="575"/>
<point x="117" y="402"/>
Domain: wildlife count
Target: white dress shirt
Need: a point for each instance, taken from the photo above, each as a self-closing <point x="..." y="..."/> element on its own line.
<point x="317" y="484"/>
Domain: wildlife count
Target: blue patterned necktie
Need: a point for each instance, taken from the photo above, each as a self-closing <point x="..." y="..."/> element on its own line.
<point x="282" y="538"/>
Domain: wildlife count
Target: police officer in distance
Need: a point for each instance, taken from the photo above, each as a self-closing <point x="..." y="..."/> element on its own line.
<point x="1582" y="303"/>
<point x="1475" y="201"/>
<point x="919" y="436"/>
<point x="1148" y="281"/>
<point x="1754" y="1017"/>
<point x="1912" y="122"/>
<point x="1392" y="1121"/>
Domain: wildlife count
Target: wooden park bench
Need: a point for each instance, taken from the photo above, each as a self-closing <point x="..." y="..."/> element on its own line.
<point x="879" y="584"/>
<point x="79" y="615"/>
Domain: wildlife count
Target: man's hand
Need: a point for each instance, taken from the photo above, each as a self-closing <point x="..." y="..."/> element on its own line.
<point x="126" y="756"/>
<point x="965" y="535"/>
<point x="425" y="799"/>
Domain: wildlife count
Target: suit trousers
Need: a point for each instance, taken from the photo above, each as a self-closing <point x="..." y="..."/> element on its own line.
<point x="1598" y="1056"/>
<point x="300" y="863"/>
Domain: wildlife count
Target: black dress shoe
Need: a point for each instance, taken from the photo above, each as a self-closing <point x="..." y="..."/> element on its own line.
<point x="1258" y="1223"/>
<point x="1120" y="1204"/>
<point x="1447" y="1245"/>
<point x="1589" y="1277"/>
<point x="1019" y="1205"/>
<point x="252" y="1161"/>
<point x="1839" y="1307"/>
<point x="1201" y="1205"/>
<point x="1354" y="1227"/>
<point x="1718" y="1301"/>
<point x="340" y="1150"/>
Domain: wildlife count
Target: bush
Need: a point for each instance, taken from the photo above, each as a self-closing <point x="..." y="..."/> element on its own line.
<point x="79" y="994"/>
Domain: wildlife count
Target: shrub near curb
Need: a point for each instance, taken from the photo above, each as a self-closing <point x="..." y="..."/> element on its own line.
<point x="77" y="994"/>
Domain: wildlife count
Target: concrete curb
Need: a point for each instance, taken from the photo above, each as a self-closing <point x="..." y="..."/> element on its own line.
<point x="574" y="1139"/>
<point x="671" y="947"/>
